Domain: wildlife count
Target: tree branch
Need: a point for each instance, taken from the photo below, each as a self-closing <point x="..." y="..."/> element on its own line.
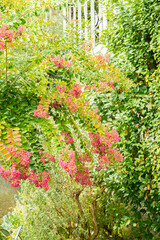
<point x="77" y="194"/>
<point x="93" y="210"/>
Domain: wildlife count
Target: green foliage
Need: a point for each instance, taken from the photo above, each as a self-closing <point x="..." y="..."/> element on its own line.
<point x="136" y="117"/>
<point x="133" y="35"/>
<point x="65" y="211"/>
<point x="125" y="198"/>
<point x="53" y="214"/>
<point x="3" y="233"/>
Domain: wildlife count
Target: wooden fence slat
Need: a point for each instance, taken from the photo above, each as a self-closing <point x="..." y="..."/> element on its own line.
<point x="74" y="15"/>
<point x="85" y="19"/>
<point x="75" y="12"/>
<point x="79" y="20"/>
<point x="104" y="15"/>
<point x="100" y="19"/>
<point x="69" y="14"/>
<point x="93" y="22"/>
<point x="64" y="20"/>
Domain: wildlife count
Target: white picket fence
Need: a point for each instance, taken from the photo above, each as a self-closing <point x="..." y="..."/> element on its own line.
<point x="90" y="18"/>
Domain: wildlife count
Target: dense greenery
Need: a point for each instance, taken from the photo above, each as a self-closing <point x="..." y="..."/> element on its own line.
<point x="133" y="35"/>
<point x="122" y="200"/>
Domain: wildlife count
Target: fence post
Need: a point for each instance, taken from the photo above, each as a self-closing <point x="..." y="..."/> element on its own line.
<point x="104" y="15"/>
<point x="64" y="19"/>
<point x="79" y="20"/>
<point x="74" y="15"/>
<point x="85" y="19"/>
<point x="93" y="22"/>
<point x="100" y="19"/>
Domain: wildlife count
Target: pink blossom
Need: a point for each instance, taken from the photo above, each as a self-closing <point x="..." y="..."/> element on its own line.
<point x="68" y="139"/>
<point x="1" y="46"/>
<point x="55" y="104"/>
<point x="75" y="91"/>
<point x="4" y="173"/>
<point x="40" y="112"/>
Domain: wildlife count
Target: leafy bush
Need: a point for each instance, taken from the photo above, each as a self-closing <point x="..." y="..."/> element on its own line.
<point x="135" y="115"/>
<point x="133" y="35"/>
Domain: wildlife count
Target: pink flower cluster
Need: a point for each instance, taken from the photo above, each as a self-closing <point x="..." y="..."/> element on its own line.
<point x="72" y="104"/>
<point x="68" y="166"/>
<point x="40" y="112"/>
<point x="60" y="62"/>
<point x="46" y="157"/>
<point x="82" y="176"/>
<point x="4" y="173"/>
<point x="7" y="35"/>
<point x="17" y="171"/>
<point x="103" y="147"/>
<point x="40" y="179"/>
<point x="20" y="169"/>
<point x="68" y="139"/>
<point x="79" y="173"/>
<point x="76" y="90"/>
<point x="22" y="155"/>
<point x="55" y="104"/>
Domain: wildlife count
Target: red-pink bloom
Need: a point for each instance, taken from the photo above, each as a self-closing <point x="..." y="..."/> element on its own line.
<point x="19" y="32"/>
<point x="5" y="33"/>
<point x="55" y="104"/>
<point x="74" y="107"/>
<point x="60" y="62"/>
<point x="14" y="182"/>
<point x="87" y="46"/>
<point x="76" y="90"/>
<point x="4" y="173"/>
<point x="68" y="139"/>
<point x="46" y="157"/>
<point x="40" y="112"/>
<point x="103" y="147"/>
<point x="40" y="179"/>
<point x="103" y="58"/>
<point x="81" y="173"/>
<point x="1" y="46"/>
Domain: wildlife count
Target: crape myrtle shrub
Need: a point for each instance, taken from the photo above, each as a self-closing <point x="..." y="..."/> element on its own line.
<point x="52" y="117"/>
<point x="133" y="35"/>
<point x="21" y="31"/>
